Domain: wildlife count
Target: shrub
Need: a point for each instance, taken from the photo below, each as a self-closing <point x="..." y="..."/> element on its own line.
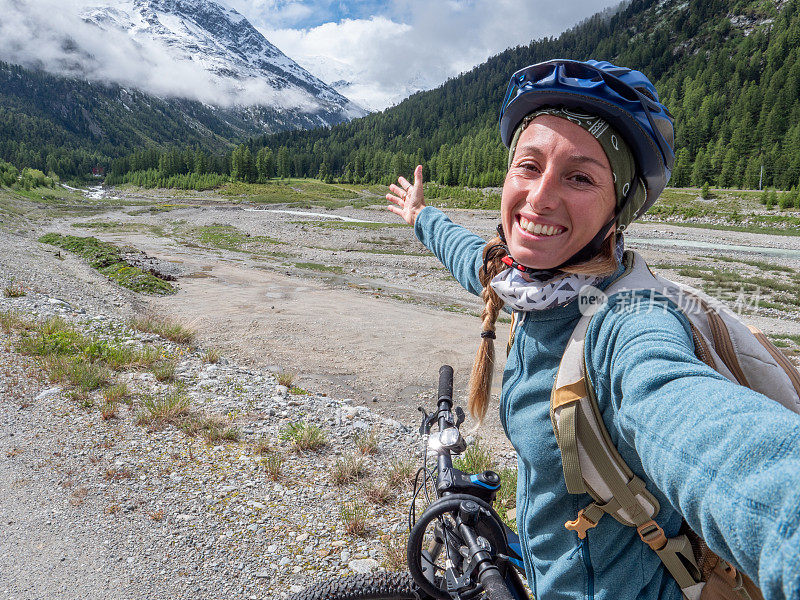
<point x="705" y="192"/>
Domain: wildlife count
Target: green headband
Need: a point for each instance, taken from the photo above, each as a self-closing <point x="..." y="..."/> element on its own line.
<point x="623" y="165"/>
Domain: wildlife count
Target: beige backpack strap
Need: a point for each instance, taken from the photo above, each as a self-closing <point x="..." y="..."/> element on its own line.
<point x="592" y="465"/>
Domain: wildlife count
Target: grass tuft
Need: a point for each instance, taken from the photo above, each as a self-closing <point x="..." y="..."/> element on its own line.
<point x="84" y="376"/>
<point x="164" y="370"/>
<point x="380" y="493"/>
<point x="212" y="356"/>
<point x="14" y="289"/>
<point x="11" y="321"/>
<point x="169" y="409"/>
<point x="304" y="436"/>
<point x="475" y="459"/>
<point x="400" y="473"/>
<point x="273" y="465"/>
<point x="262" y="447"/>
<point x="396" y="551"/>
<point x="506" y="499"/>
<point x="348" y="469"/>
<point x="164" y="327"/>
<point x="354" y="517"/>
<point x="367" y="443"/>
<point x="108" y="410"/>
<point x="285" y="378"/>
<point x="118" y="392"/>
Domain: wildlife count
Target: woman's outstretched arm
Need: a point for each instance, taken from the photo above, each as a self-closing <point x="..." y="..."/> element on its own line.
<point x="460" y="250"/>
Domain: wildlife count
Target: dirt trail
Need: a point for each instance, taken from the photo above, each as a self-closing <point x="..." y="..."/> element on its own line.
<point x="356" y="344"/>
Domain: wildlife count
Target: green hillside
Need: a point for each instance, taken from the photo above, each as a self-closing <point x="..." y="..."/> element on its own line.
<point x="728" y="70"/>
<point x="69" y="126"/>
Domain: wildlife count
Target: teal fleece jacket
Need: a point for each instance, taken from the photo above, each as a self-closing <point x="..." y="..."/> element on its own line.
<point x="717" y="454"/>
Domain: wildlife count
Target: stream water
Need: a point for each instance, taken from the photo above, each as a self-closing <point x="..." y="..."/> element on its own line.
<point x="303" y="213"/>
<point x="700" y="245"/>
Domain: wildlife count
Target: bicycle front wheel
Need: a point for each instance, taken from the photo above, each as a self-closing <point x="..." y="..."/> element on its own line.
<point x="370" y="586"/>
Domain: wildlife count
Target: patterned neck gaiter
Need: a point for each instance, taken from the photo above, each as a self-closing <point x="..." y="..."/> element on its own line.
<point x="523" y="295"/>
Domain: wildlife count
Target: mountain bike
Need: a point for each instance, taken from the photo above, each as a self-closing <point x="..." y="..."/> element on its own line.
<point x="459" y="548"/>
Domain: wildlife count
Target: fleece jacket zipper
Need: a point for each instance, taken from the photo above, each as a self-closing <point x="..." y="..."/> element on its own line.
<point x="587" y="562"/>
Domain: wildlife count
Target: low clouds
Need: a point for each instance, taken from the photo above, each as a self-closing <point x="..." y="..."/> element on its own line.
<point x="413" y="44"/>
<point x="51" y="35"/>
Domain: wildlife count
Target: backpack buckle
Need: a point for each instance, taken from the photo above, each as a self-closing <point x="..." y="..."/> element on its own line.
<point x="652" y="535"/>
<point x="580" y="525"/>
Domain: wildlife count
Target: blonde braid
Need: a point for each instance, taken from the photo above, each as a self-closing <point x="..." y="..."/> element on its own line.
<point x="480" y="383"/>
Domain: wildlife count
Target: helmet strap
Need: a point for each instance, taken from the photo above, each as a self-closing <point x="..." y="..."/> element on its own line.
<point x="590" y="250"/>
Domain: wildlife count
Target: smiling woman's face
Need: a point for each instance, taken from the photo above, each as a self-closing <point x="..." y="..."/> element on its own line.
<point x="557" y="194"/>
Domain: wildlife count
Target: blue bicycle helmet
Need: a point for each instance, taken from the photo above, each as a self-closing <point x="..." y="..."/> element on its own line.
<point x="623" y="97"/>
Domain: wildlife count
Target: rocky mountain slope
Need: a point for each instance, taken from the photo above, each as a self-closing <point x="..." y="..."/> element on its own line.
<point x="143" y="72"/>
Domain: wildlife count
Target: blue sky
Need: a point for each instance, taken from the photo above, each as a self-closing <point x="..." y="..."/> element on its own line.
<point x="378" y="53"/>
<point x="311" y="14"/>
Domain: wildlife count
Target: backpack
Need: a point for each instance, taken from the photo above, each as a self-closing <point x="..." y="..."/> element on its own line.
<point x="592" y="464"/>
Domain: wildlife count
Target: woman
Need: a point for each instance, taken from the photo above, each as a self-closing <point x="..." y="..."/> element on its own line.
<point x="590" y="149"/>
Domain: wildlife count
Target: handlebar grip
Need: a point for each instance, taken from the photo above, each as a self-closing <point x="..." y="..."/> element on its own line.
<point x="495" y="585"/>
<point x="445" y="383"/>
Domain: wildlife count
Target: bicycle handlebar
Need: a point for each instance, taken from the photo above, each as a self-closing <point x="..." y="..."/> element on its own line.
<point x="494" y="584"/>
<point x="445" y="384"/>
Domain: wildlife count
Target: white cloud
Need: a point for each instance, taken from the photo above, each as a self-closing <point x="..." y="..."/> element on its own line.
<point x="368" y="54"/>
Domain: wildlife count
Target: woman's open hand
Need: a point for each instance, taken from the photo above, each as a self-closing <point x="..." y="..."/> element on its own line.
<point x="408" y="198"/>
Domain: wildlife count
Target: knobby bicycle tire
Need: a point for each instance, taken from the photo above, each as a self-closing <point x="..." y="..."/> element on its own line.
<point x="371" y="586"/>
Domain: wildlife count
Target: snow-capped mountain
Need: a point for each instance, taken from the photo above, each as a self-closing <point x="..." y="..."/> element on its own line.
<point x="223" y="58"/>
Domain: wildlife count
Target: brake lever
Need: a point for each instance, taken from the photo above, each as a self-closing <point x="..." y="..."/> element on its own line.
<point x="459" y="416"/>
<point x="427" y="421"/>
